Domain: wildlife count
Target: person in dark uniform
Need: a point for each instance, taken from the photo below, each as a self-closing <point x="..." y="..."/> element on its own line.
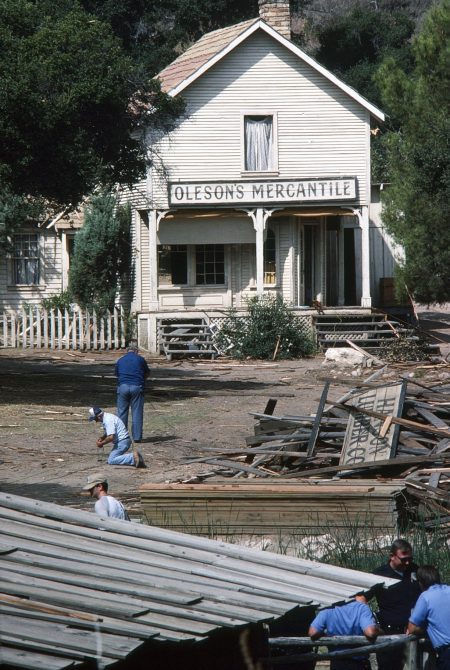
<point x="396" y="603"/>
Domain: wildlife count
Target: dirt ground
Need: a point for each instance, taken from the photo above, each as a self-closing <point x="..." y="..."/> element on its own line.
<point x="47" y="446"/>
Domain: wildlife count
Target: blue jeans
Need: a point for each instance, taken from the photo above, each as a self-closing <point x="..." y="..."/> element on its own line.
<point x="131" y="396"/>
<point x="118" y="455"/>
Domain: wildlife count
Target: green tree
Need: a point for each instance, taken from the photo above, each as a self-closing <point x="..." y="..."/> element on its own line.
<point x="154" y="33"/>
<point x="66" y="122"/>
<point x="102" y="254"/>
<point x="354" y="44"/>
<point x="417" y="203"/>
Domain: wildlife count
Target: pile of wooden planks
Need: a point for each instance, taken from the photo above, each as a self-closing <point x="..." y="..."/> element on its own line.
<point x="396" y="429"/>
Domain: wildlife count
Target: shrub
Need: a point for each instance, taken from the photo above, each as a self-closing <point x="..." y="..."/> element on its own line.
<point x="270" y="330"/>
<point x="403" y="349"/>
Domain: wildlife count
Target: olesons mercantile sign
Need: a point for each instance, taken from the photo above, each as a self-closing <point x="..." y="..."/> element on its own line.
<point x="262" y="192"/>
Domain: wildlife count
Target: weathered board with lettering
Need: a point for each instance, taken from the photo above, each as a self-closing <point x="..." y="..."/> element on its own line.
<point x="366" y="438"/>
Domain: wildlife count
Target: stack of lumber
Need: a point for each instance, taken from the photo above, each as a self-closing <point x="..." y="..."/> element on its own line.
<point x="274" y="508"/>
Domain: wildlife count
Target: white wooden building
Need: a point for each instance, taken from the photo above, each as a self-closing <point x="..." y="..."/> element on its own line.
<point x="264" y="185"/>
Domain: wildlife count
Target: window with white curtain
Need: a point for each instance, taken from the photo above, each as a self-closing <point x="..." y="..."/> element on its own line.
<point x="25" y="259"/>
<point x="259" y="143"/>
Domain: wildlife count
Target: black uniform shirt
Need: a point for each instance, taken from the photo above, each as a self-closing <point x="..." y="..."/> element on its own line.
<point x="395" y="603"/>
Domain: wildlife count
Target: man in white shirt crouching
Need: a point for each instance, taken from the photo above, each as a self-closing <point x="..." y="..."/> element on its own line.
<point x="106" y="505"/>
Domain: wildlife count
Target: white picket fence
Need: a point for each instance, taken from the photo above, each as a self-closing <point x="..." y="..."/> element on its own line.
<point x="37" y="328"/>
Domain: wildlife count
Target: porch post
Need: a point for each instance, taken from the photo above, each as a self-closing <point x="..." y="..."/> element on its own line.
<point x="153" y="259"/>
<point x="259" y="217"/>
<point x="363" y="219"/>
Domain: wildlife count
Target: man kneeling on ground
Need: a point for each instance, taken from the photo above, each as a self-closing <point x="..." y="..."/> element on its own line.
<point x="115" y="433"/>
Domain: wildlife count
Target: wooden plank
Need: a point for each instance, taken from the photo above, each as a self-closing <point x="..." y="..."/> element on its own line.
<point x="369" y="438"/>
<point x="316" y="425"/>
<point x="29" y="660"/>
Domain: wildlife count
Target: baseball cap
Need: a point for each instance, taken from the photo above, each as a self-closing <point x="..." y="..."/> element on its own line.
<point x="93" y="480"/>
<point x="94" y="412"/>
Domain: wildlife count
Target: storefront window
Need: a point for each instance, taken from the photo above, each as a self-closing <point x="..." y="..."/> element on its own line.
<point x="209" y="264"/>
<point x="172" y="264"/>
<point x="270" y="276"/>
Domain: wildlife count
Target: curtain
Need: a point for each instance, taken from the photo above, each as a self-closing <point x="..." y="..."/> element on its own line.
<point x="258" y="143"/>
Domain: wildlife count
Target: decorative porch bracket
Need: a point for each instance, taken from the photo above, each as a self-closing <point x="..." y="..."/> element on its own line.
<point x="363" y="220"/>
<point x="259" y="216"/>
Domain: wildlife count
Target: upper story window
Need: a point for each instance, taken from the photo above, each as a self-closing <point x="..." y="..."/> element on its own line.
<point x="25" y="259"/>
<point x="260" y="143"/>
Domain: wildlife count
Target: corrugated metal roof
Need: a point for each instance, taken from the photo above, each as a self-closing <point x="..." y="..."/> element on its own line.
<point x="72" y="578"/>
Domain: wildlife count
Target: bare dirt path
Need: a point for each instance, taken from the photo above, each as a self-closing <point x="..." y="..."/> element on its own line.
<point x="47" y="446"/>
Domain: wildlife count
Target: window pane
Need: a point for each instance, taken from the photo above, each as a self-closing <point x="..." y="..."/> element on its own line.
<point x="270" y="258"/>
<point x="258" y="131"/>
<point x="172" y="264"/>
<point x="26" y="259"/>
<point x="209" y="264"/>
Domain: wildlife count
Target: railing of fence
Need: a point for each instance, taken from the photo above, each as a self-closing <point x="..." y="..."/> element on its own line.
<point x="37" y="328"/>
<point x="414" y="656"/>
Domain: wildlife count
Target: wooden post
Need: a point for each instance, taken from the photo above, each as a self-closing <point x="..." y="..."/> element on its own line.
<point x="94" y="329"/>
<point x="66" y="329"/>
<point x="13" y="331"/>
<point x="74" y="331"/>
<point x="116" y="328"/>
<point x="102" y="331"/>
<point x="38" y="327"/>
<point x="52" y="329"/>
<point x="411" y="656"/>
<point x="24" y="323"/>
<point x="80" y="330"/>
<point x="31" y="320"/>
<point x="45" y="329"/>
<point x="122" y="328"/>
<point x="59" y="329"/>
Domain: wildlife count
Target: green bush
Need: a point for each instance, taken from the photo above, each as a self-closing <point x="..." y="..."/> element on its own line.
<point x="270" y="330"/>
<point x="61" y="301"/>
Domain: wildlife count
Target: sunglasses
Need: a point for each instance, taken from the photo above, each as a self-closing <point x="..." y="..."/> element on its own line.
<point x="404" y="559"/>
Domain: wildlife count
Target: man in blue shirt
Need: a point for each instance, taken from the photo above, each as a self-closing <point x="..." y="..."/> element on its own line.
<point x="131" y="371"/>
<point x="432" y="614"/>
<point x="354" y="618"/>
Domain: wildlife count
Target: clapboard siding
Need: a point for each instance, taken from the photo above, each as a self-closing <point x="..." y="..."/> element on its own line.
<point x="321" y="130"/>
<point x="13" y="297"/>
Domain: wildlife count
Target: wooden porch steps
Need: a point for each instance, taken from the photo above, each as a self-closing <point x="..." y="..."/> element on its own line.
<point x="370" y="331"/>
<point x="192" y="337"/>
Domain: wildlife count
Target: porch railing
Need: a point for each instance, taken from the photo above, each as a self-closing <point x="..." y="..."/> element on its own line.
<point x="37" y="328"/>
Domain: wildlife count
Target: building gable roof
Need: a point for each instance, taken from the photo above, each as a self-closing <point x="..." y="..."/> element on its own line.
<point x="214" y="46"/>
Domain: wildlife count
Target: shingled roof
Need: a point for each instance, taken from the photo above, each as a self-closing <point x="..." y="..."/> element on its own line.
<point x="213" y="46"/>
<point x="200" y="53"/>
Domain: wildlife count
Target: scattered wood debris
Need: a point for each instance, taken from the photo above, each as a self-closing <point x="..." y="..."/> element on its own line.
<point x="390" y="429"/>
